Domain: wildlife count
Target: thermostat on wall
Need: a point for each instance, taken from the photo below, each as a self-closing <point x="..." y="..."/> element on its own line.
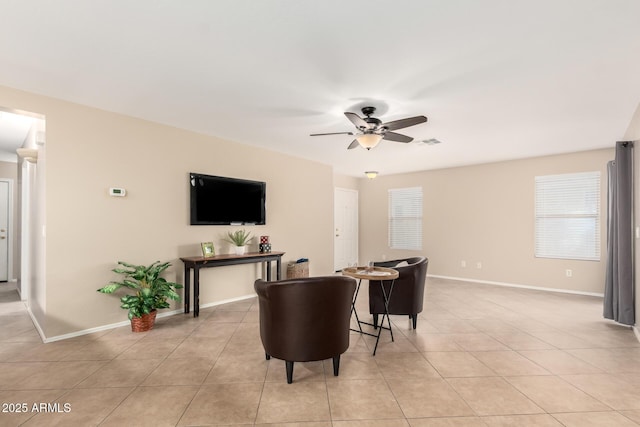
<point x="120" y="192"/>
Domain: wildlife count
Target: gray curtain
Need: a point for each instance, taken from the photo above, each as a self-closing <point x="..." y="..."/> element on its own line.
<point x="618" y="293"/>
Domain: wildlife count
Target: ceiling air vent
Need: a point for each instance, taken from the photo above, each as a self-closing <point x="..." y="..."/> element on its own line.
<point x="431" y="141"/>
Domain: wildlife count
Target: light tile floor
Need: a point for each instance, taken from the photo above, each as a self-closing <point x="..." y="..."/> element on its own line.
<point x="481" y="356"/>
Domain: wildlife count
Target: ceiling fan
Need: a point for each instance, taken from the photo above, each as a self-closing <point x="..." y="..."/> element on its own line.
<point x="370" y="131"/>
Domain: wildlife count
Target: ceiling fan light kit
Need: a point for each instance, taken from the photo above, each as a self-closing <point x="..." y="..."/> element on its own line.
<point x="369" y="140"/>
<point x="371" y="130"/>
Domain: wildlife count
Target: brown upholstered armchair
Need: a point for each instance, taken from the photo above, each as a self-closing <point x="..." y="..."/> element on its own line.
<point x="408" y="289"/>
<point x="305" y="319"/>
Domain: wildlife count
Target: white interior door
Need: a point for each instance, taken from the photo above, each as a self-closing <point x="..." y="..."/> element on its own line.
<point x="346" y="228"/>
<point x="4" y="231"/>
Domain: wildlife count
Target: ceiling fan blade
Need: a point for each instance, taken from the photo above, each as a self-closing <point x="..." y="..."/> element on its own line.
<point x="404" y="123"/>
<point x="357" y="120"/>
<point x="331" y="133"/>
<point x="398" y="137"/>
<point x="353" y="145"/>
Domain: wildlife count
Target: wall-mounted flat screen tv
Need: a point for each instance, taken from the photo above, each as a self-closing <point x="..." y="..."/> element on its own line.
<point x="217" y="200"/>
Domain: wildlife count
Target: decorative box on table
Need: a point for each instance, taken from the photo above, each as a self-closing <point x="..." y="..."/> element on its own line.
<point x="265" y="246"/>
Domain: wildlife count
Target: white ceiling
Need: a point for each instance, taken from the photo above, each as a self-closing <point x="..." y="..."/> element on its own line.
<point x="498" y="79"/>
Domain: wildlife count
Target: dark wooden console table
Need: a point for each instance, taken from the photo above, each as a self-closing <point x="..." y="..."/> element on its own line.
<point x="197" y="262"/>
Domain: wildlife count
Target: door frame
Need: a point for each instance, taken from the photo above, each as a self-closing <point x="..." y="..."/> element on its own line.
<point x="10" y="228"/>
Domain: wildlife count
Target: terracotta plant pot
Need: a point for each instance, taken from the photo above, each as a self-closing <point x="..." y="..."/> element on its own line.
<point x="144" y="323"/>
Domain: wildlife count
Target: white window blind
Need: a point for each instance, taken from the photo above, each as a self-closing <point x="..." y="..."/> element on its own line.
<point x="405" y="218"/>
<point x="568" y="216"/>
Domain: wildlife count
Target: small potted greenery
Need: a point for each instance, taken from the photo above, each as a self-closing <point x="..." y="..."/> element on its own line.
<point x="149" y="292"/>
<point x="240" y="239"/>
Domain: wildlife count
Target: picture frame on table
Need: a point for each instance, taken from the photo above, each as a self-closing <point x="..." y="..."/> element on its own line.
<point x="207" y="249"/>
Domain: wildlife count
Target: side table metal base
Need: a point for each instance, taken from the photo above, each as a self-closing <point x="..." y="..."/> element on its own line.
<point x="386" y="313"/>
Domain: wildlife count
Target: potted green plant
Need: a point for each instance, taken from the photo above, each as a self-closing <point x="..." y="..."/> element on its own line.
<point x="240" y="239"/>
<point x="149" y="292"/>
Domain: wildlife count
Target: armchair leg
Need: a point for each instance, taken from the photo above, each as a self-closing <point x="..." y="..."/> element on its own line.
<point x="289" y="371"/>
<point x="336" y="365"/>
<point x="267" y="356"/>
<point x="414" y="317"/>
<point x="375" y="321"/>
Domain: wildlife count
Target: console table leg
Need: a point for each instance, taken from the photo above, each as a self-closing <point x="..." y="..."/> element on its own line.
<point x="268" y="264"/>
<point x="196" y="292"/>
<point x="187" y="288"/>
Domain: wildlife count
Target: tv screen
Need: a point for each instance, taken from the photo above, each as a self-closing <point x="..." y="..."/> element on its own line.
<point x="217" y="200"/>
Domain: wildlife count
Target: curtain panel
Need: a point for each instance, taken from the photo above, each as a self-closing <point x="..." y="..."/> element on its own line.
<point x="619" y="283"/>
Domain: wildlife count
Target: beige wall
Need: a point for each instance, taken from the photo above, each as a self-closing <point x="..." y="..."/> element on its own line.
<point x="89" y="150"/>
<point x="345" y="181"/>
<point x="484" y="214"/>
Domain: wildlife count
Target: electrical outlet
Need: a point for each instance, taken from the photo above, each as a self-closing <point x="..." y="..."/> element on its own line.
<point x="569" y="273"/>
<point x="463" y="264"/>
<point x="478" y="265"/>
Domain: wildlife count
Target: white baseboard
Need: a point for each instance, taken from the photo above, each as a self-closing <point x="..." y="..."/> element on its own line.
<point x="515" y="285"/>
<point x="36" y="324"/>
<point x="636" y="331"/>
<point x="226" y="301"/>
<point x="127" y="322"/>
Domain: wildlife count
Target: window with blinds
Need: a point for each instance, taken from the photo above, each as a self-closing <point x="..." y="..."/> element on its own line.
<point x="405" y="218"/>
<point x="567" y="216"/>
